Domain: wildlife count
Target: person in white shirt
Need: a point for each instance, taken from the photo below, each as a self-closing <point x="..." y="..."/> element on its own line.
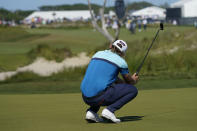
<point x="145" y="23"/>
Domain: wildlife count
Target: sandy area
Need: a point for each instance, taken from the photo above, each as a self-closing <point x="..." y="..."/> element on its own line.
<point x="44" y="67"/>
<point x="173" y="50"/>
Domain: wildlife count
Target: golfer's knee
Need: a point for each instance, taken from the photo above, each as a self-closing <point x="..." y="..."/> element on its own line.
<point x="133" y="91"/>
<point x="136" y="91"/>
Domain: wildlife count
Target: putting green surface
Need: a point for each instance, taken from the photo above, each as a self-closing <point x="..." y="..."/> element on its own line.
<point x="152" y="110"/>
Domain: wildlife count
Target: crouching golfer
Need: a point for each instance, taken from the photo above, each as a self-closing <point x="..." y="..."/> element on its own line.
<point x="102" y="87"/>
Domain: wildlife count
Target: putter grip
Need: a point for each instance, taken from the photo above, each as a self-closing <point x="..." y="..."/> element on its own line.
<point x="137" y="73"/>
<point x="161" y="26"/>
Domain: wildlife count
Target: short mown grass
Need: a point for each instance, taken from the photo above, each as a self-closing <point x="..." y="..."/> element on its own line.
<point x="151" y="110"/>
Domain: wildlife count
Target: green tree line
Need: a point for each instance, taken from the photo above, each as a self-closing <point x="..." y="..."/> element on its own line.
<point x="16" y="15"/>
<point x="95" y="7"/>
<point x="20" y="14"/>
<point x="138" y="5"/>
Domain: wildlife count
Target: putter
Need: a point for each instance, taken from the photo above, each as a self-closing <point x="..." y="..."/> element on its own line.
<point x="139" y="68"/>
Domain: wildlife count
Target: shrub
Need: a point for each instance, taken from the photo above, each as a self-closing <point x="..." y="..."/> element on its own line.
<point x="43" y="50"/>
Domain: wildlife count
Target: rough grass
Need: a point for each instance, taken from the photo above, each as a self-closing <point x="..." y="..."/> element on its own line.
<point x="75" y="40"/>
<point x="178" y="65"/>
<point x="47" y="52"/>
<point x="152" y="110"/>
<point x="79" y="40"/>
<point x="181" y="61"/>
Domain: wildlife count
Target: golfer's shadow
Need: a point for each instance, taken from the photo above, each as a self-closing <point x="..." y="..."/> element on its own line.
<point x="130" y="118"/>
<point x="126" y="119"/>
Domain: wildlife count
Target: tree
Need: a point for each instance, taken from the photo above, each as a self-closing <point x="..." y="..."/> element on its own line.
<point x="103" y="30"/>
<point x="17" y="15"/>
<point x="138" y="5"/>
<point x="165" y="5"/>
<point x="72" y="7"/>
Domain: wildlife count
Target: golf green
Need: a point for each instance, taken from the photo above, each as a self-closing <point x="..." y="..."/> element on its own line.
<point x="152" y="110"/>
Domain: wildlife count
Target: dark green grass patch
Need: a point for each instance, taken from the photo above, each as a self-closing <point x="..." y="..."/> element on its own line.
<point x="72" y="85"/>
<point x="42" y="87"/>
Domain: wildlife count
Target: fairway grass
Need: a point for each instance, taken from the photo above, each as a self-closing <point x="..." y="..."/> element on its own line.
<point x="152" y="110"/>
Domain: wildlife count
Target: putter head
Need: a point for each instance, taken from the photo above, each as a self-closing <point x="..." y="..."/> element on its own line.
<point x="161" y="26"/>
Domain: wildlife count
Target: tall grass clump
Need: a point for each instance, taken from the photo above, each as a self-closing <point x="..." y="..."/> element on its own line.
<point x="44" y="50"/>
<point x="162" y="61"/>
<point x="178" y="65"/>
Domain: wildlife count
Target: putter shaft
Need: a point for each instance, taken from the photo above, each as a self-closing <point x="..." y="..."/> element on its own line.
<point x="139" y="68"/>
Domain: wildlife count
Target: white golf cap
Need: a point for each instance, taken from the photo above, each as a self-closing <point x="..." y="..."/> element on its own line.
<point x="121" y="45"/>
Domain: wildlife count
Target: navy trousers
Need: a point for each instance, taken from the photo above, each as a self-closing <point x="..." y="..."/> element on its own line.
<point x="113" y="97"/>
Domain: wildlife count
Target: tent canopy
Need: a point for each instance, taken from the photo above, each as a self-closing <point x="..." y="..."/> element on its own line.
<point x="52" y="15"/>
<point x="150" y="12"/>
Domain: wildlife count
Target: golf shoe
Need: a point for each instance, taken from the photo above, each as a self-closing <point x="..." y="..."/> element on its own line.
<point x="109" y="115"/>
<point x="93" y="117"/>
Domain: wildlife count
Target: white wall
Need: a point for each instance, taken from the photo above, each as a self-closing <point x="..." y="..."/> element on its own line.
<point x="190" y="9"/>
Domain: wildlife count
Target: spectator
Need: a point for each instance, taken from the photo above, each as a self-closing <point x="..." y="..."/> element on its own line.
<point x="174" y="22"/>
<point x="115" y="25"/>
<point x="195" y="24"/>
<point x="145" y="23"/>
<point x="139" y="22"/>
<point x="132" y="27"/>
<point x="108" y="23"/>
<point x="128" y="23"/>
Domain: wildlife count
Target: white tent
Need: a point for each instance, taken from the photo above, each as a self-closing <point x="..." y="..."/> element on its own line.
<point x="150" y="12"/>
<point x="53" y="15"/>
<point x="188" y="7"/>
<point x="112" y="14"/>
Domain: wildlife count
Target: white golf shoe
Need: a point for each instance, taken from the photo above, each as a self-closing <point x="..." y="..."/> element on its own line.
<point x="93" y="117"/>
<point x="110" y="116"/>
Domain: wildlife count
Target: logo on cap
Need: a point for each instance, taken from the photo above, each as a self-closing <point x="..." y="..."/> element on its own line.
<point x="122" y="43"/>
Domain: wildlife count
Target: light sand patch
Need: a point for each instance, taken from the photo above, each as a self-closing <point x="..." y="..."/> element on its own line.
<point x="5" y="75"/>
<point x="168" y="51"/>
<point x="43" y="67"/>
<point x="173" y="50"/>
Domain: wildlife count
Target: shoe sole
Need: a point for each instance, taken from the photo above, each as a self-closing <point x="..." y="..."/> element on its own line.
<point x="108" y="119"/>
<point x="91" y="121"/>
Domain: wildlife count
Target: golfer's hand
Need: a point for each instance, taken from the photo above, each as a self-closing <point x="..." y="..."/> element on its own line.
<point x="135" y="78"/>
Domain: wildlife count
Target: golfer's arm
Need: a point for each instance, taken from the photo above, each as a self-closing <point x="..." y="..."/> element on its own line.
<point x="128" y="79"/>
